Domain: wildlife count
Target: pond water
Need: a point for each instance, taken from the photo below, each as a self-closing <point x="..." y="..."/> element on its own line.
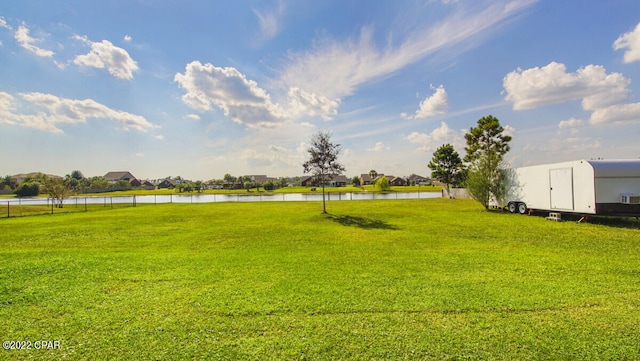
<point x="214" y="198"/>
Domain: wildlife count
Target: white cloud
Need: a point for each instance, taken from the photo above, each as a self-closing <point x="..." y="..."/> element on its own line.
<point x="439" y="136"/>
<point x="433" y="105"/>
<point x="303" y="103"/>
<point x="570" y="123"/>
<point x="45" y="111"/>
<point x="604" y="95"/>
<point x="159" y="137"/>
<point x="617" y="114"/>
<point x="379" y="147"/>
<point x="334" y="69"/>
<point x="193" y="116"/>
<point x="26" y="41"/>
<point x="241" y="99"/>
<point x="631" y="42"/>
<point x="3" y="24"/>
<point x="127" y="38"/>
<point x="103" y="55"/>
<point x="277" y="148"/>
<point x="509" y="130"/>
<point x="551" y="84"/>
<point x="140" y="154"/>
<point x="269" y="20"/>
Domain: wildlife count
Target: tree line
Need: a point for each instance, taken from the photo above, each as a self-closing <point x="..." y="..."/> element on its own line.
<point x="483" y="170"/>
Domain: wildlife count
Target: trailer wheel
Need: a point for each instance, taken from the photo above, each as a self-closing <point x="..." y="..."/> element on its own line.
<point x="512" y="207"/>
<point x="522" y="208"/>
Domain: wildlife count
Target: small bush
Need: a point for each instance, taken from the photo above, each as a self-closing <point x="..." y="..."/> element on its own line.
<point x="28" y="189"/>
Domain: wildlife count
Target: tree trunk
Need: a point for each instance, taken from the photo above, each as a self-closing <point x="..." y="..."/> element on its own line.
<point x="324" y="206"/>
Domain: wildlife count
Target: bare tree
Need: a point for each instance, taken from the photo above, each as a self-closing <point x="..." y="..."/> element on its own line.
<point x="323" y="161"/>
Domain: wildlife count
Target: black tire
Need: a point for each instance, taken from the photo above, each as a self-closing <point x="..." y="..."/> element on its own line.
<point x="512" y="207"/>
<point x="522" y="208"/>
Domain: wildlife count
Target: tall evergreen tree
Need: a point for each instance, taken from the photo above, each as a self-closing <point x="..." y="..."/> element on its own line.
<point x="486" y="146"/>
<point x="446" y="165"/>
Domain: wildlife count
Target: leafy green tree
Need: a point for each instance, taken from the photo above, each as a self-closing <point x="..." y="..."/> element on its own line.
<point x="383" y="184"/>
<point x="58" y="190"/>
<point x="76" y="174"/>
<point x="269" y="185"/>
<point x="198" y="186"/>
<point x="323" y="161"/>
<point x="8" y="182"/>
<point x="98" y="183"/>
<point x="486" y="146"/>
<point x="355" y="181"/>
<point x="28" y="189"/>
<point x="446" y="165"/>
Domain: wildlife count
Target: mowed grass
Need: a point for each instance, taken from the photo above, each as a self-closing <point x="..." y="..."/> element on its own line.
<point x="412" y="279"/>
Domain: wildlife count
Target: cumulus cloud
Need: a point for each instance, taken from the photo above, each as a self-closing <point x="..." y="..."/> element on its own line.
<point x="550" y="84"/>
<point x="241" y="99"/>
<point x="509" y="131"/>
<point x="617" y="114"/>
<point x="379" y="147"/>
<point x="605" y="95"/>
<point x="336" y="68"/>
<point x="433" y="105"/>
<point x="304" y="103"/>
<point x="105" y="55"/>
<point x="570" y="123"/>
<point x="441" y="135"/>
<point x="631" y="42"/>
<point x="26" y="41"/>
<point x="46" y="111"/>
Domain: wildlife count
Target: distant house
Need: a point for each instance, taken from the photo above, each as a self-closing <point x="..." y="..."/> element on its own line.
<point x="22" y="176"/>
<point x="259" y="178"/>
<point x="366" y="179"/>
<point x="167" y="183"/>
<point x="307" y="181"/>
<point x="397" y="181"/>
<point x="417" y="179"/>
<point x="148" y="184"/>
<point x="118" y="176"/>
<point x="337" y="181"/>
<point x="135" y="183"/>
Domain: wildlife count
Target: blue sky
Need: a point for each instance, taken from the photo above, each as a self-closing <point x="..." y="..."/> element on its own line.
<point x="203" y="88"/>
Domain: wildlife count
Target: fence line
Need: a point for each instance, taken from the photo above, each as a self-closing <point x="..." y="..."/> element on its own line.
<point x="23" y="206"/>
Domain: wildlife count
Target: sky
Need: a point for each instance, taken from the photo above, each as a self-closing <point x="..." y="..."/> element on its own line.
<point x="199" y="89"/>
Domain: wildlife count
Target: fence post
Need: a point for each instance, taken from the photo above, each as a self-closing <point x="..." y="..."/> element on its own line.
<point x="85" y="204"/>
<point x="134" y="200"/>
<point x="8" y="210"/>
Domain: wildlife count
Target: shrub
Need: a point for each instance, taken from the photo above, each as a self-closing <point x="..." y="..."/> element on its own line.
<point x="28" y="189"/>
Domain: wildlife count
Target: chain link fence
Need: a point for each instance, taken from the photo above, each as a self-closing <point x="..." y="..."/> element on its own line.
<point x="18" y="207"/>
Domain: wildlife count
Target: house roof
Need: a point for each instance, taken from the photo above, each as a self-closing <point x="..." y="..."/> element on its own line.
<point x="416" y="177"/>
<point x="340" y="178"/>
<point x="116" y="176"/>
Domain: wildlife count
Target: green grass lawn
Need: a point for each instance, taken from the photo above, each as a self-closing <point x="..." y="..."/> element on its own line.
<point x="414" y="279"/>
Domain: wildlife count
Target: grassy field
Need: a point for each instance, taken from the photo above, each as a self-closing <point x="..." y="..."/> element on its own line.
<point x="414" y="279"/>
